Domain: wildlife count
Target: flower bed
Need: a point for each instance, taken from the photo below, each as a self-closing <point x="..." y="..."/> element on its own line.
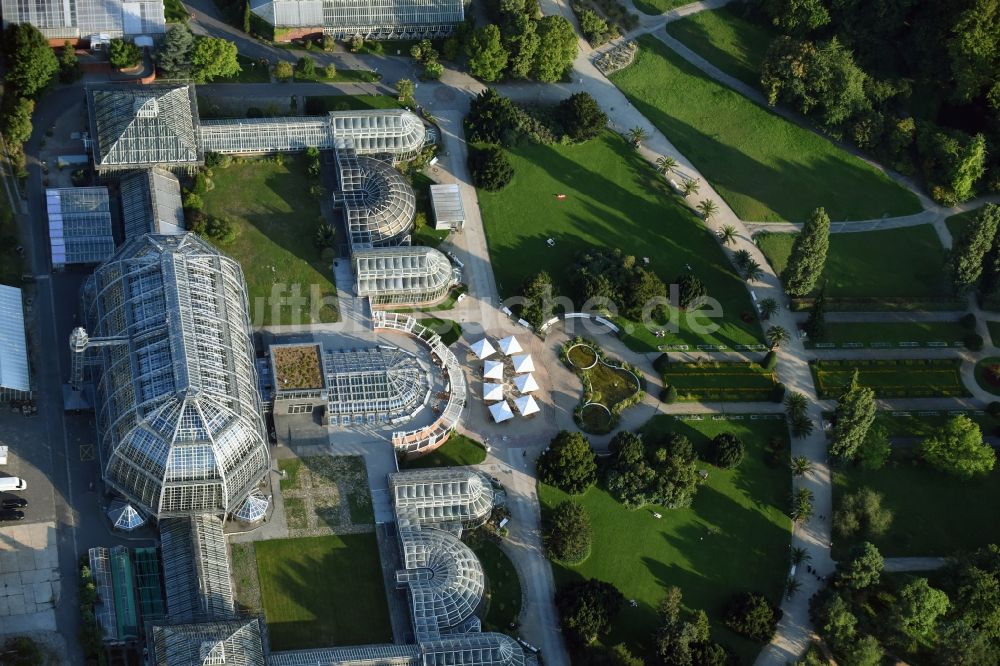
<point x="892" y="378"/>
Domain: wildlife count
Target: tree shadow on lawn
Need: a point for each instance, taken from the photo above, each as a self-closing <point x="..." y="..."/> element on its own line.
<point x="769" y="185"/>
<point x="606" y="213"/>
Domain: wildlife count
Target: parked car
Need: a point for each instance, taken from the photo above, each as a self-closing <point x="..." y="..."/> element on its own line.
<point x="11" y="514"/>
<point x="13" y="503"/>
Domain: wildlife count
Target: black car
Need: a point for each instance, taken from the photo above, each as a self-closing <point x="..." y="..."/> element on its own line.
<point x="14" y="503"/>
<point x="11" y="514"/>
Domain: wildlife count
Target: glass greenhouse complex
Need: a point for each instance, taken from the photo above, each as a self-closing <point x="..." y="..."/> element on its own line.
<point x="178" y="412"/>
<point x="373" y="19"/>
<point x="414" y="275"/>
<point x="81" y="19"/>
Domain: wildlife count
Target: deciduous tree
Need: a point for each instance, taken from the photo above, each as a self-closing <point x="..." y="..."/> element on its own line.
<point x="557" y="48"/>
<point x="587" y="608"/>
<point x="861" y="514"/>
<point x="968" y="253"/>
<point x="31" y="63"/>
<point x="568" y="533"/>
<point x="487" y="55"/>
<point x="214" y="57"/>
<point x="569" y="463"/>
<point x="863" y="569"/>
<point x="918" y="608"/>
<point x="958" y="448"/>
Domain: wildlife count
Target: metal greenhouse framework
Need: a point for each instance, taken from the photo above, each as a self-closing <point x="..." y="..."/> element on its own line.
<point x="413" y="275"/>
<point x="57" y="19"/>
<point x="372" y="385"/>
<point x="144" y="126"/>
<point x="196" y="569"/>
<point x="231" y="643"/>
<point x="377" y="202"/>
<point x="151" y="203"/>
<point x="178" y="412"/>
<point x="382" y="19"/>
<point x="395" y="132"/>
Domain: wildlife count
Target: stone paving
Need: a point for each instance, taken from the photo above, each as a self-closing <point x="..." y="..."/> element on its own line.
<point x="29" y="577"/>
<point x="319" y="494"/>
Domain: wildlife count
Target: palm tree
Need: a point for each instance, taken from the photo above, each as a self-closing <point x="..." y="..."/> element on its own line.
<point x="801" y="465"/>
<point x="325" y="236"/>
<point x="752" y="271"/>
<point x="637" y="135"/>
<point x="742" y="258"/>
<point x="777" y="336"/>
<point x="727" y="234"/>
<point x="802" y="425"/>
<point x="665" y="164"/>
<point x="708" y="208"/>
<point x="791" y="587"/>
<point x="802" y="505"/>
<point x="691" y="186"/>
<point x="796" y="404"/>
<point x="800" y="555"/>
<point x="768" y="307"/>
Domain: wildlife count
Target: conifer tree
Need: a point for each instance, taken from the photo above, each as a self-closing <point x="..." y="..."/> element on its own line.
<point x="965" y="261"/>
<point x="855" y="415"/>
<point x="808" y="258"/>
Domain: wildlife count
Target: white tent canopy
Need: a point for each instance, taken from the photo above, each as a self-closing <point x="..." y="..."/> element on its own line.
<point x="523" y="363"/>
<point x="493" y="370"/>
<point x="483" y="349"/>
<point x="501" y="411"/>
<point x="525" y="383"/>
<point x="509" y="345"/>
<point x="124" y="516"/>
<point x="492" y="391"/>
<point x="526" y="405"/>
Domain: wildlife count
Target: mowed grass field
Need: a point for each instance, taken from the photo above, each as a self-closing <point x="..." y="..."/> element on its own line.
<point x="614" y="199"/>
<point x="277" y="217"/>
<point x="459" y="450"/>
<point x="891" y="334"/>
<point x="720" y="381"/>
<point x="766" y="168"/>
<point x="893" y="263"/>
<point x="323" y="591"/>
<point x="931" y="378"/>
<point x="503" y="590"/>
<point x="933" y="513"/>
<point x="733" y="538"/>
<point x="654" y="7"/>
<point x="727" y="40"/>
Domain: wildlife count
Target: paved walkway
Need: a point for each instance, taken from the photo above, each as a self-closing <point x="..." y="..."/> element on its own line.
<point x="900" y="564"/>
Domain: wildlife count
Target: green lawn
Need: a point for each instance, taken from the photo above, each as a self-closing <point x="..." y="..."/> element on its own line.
<point x="342" y="76"/>
<point x="765" y="167"/>
<point x="277" y="217"/>
<point x="623" y="204"/>
<point x="459" y="450"/>
<point x="934" y="513"/>
<point x="930" y="378"/>
<point x="450" y="331"/>
<point x="733" y="538"/>
<point x="740" y="382"/>
<point x="921" y="424"/>
<point x="318" y="105"/>
<point x="657" y="6"/>
<point x="726" y="39"/>
<point x="503" y="590"/>
<point x="251" y="71"/>
<point x="308" y="584"/>
<point x="890" y="264"/>
<point x="891" y="334"/>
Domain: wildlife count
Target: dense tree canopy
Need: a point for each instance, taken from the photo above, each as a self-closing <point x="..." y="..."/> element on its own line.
<point x="487" y="55"/>
<point x="15" y="118"/>
<point x="659" y="472"/>
<point x="808" y="257"/>
<point x="863" y="569"/>
<point x="538" y="303"/>
<point x="557" y="47"/>
<point x="587" y="608"/>
<point x="958" y="448"/>
<point x="212" y="58"/>
<point x="31" y="63"/>
<point x="854" y="416"/>
<point x="861" y="514"/>
<point x="568" y="533"/>
<point x="750" y="614"/>
<point x="491" y="170"/>
<point x="123" y="54"/>
<point x="607" y="277"/>
<point x="569" y="463"/>
<point x="581" y="116"/>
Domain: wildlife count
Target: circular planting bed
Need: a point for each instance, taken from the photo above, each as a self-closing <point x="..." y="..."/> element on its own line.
<point x="596" y="419"/>
<point x="582" y="357"/>
<point x="988" y="374"/>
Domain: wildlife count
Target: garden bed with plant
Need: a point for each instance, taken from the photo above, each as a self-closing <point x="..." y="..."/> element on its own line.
<point x="720" y="381"/>
<point x="609" y="386"/>
<point x="892" y="378"/>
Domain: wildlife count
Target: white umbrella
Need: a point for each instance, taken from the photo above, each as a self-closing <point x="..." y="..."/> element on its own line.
<point x="254" y="507"/>
<point x="523" y="364"/>
<point x="501" y="411"/>
<point x="493" y="370"/>
<point x="526" y="405"/>
<point x="509" y="345"/>
<point x="492" y="391"/>
<point x="525" y="383"/>
<point x="124" y="516"/>
<point x="483" y="349"/>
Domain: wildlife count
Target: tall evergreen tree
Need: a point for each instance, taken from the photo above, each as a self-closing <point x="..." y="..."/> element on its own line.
<point x="808" y="258"/>
<point x="816" y="324"/>
<point x="969" y="252"/>
<point x="989" y="282"/>
<point x="854" y="417"/>
<point x="174" y="58"/>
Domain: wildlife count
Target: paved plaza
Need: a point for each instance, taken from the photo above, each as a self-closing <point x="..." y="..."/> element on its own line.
<point x="29" y="577"/>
